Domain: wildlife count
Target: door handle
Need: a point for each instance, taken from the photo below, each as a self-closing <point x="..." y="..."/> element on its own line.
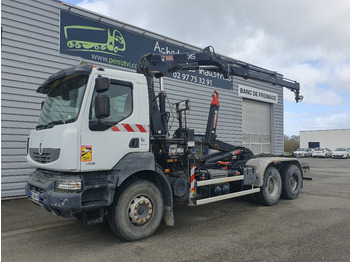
<point x="134" y="143"/>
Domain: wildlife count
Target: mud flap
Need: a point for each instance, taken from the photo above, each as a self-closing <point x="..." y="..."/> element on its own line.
<point x="168" y="216"/>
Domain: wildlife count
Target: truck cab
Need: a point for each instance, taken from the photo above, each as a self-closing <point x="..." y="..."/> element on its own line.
<point x="71" y="136"/>
<point x="90" y="120"/>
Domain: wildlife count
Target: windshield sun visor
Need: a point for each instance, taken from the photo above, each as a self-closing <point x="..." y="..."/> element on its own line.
<point x="83" y="69"/>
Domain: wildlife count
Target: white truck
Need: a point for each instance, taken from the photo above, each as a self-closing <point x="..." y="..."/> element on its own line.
<point x="102" y="148"/>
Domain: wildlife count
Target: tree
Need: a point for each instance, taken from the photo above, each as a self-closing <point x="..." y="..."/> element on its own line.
<point x="291" y="143"/>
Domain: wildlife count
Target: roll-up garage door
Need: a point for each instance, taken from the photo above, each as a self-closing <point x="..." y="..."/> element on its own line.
<point x="256" y="126"/>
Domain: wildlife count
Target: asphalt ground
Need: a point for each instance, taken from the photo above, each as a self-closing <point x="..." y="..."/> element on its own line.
<point x="314" y="227"/>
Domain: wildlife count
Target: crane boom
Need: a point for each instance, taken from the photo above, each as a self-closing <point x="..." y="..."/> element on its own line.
<point x="160" y="65"/>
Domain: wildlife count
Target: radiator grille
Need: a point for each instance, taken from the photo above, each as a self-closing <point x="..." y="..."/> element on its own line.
<point x="48" y="155"/>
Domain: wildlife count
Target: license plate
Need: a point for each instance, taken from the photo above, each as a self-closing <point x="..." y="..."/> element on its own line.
<point x="35" y="196"/>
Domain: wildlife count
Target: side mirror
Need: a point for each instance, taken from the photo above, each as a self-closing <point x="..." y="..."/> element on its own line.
<point x="102" y="106"/>
<point x="102" y="84"/>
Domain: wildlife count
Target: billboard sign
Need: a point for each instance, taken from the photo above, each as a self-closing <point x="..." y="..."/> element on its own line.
<point x="104" y="43"/>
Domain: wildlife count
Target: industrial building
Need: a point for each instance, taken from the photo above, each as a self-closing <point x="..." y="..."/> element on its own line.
<point x="41" y="37"/>
<point x="325" y="138"/>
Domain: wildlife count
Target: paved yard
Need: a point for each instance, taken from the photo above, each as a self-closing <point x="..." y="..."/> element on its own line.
<point x="314" y="227"/>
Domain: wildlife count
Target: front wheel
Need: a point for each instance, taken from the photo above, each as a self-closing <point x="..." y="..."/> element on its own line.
<point x="270" y="191"/>
<point x="137" y="211"/>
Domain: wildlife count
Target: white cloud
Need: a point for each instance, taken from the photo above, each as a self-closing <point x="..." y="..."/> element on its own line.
<point x="324" y="120"/>
<point x="253" y="31"/>
<point x="342" y="77"/>
<point x="97" y="6"/>
<point x="315" y="83"/>
<point x="329" y="122"/>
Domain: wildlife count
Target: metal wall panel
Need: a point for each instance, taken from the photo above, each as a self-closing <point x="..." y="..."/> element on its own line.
<point x="30" y="53"/>
<point x="200" y="98"/>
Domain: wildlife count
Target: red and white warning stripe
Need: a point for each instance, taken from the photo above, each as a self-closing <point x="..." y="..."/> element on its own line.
<point x="192" y="179"/>
<point x="192" y="188"/>
<point x="130" y="128"/>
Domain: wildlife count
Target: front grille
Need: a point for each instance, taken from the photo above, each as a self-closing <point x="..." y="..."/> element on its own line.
<point x="43" y="158"/>
<point x="48" y="155"/>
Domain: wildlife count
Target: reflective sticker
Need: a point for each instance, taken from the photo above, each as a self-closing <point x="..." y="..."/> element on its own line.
<point x="86" y="153"/>
<point x="123" y="127"/>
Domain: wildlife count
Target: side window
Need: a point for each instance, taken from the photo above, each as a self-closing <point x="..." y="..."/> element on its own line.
<point x="121" y="105"/>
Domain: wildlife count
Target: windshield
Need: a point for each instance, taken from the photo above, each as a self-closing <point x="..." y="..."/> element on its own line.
<point x="301" y="149"/>
<point x="63" y="101"/>
<point x="340" y="149"/>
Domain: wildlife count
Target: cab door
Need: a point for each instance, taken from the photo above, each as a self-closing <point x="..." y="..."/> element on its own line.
<point x="105" y="141"/>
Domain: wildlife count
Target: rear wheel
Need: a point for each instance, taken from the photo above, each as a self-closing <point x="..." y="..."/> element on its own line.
<point x="137" y="211"/>
<point x="291" y="182"/>
<point x="270" y="191"/>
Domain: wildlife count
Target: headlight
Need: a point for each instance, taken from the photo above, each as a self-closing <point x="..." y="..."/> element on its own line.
<point x="68" y="185"/>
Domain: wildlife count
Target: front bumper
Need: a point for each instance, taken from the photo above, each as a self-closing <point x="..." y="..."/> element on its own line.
<point x="339" y="156"/>
<point x="299" y="155"/>
<point x="319" y="155"/>
<point x="97" y="192"/>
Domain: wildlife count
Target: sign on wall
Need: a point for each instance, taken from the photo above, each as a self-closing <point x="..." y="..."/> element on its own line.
<point x="257" y="94"/>
<point x="97" y="41"/>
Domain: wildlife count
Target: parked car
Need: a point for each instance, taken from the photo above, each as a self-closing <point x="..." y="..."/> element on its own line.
<point x="341" y="152"/>
<point x="322" y="152"/>
<point x="303" y="152"/>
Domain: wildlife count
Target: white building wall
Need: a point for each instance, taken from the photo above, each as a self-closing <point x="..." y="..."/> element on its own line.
<point x="327" y="138"/>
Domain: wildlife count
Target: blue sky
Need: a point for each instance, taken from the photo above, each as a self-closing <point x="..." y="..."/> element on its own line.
<point x="307" y="41"/>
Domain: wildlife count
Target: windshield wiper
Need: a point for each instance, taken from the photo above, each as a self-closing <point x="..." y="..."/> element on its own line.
<point x="55" y="123"/>
<point x="51" y="124"/>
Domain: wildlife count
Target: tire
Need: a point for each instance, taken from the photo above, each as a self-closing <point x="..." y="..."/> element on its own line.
<point x="270" y="191"/>
<point x="291" y="182"/>
<point x="145" y="199"/>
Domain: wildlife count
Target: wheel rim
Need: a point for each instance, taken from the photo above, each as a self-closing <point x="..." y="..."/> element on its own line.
<point x="140" y="210"/>
<point x="294" y="181"/>
<point x="272" y="186"/>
